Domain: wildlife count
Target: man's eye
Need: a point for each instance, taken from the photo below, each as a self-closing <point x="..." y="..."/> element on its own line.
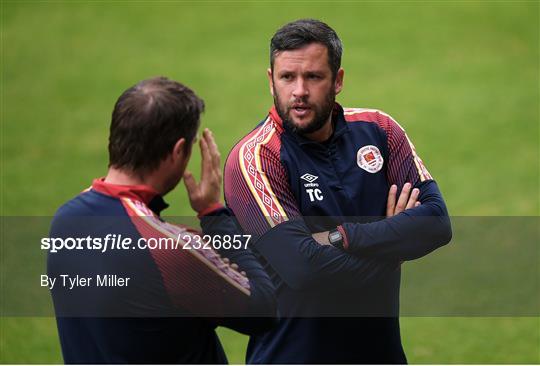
<point x="314" y="77"/>
<point x="286" y="77"/>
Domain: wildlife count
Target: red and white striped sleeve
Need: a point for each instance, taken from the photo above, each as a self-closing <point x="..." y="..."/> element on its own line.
<point x="256" y="183"/>
<point x="197" y="280"/>
<point x="404" y="164"/>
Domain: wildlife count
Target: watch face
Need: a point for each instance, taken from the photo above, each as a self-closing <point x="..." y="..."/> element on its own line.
<point x="334" y="236"/>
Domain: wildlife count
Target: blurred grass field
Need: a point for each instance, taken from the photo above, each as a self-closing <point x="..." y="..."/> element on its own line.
<point x="461" y="77"/>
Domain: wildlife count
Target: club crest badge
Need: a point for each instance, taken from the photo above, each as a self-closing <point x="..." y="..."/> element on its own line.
<point x="369" y="158"/>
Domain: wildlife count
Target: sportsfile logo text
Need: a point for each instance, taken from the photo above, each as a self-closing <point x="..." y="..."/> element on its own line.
<point x="184" y="241"/>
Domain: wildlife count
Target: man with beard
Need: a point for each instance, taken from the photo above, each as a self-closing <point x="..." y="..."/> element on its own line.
<point x="313" y="173"/>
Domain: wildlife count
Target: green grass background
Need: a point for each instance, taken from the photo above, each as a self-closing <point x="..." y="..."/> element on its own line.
<point x="462" y="77"/>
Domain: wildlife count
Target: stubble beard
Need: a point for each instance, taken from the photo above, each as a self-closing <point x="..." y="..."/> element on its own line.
<point x="321" y="113"/>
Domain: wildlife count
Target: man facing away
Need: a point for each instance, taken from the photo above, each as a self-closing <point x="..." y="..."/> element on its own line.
<point x="153" y="304"/>
<point x="313" y="173"/>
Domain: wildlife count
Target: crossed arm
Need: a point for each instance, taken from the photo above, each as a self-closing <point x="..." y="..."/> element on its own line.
<point x="411" y="230"/>
<point x="408" y="198"/>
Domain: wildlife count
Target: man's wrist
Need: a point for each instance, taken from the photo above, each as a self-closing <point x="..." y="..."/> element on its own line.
<point x="209" y="209"/>
<point x="343" y="232"/>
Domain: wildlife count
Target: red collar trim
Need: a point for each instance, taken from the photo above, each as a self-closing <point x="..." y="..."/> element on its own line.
<point x="138" y="192"/>
<point x="275" y="116"/>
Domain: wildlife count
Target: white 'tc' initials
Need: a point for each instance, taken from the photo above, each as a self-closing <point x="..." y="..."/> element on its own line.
<point x="315" y="194"/>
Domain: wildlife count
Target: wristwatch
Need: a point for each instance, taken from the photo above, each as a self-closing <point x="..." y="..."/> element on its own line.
<point x="335" y="238"/>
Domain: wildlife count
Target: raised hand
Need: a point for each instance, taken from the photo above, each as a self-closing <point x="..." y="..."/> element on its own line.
<point x="208" y="191"/>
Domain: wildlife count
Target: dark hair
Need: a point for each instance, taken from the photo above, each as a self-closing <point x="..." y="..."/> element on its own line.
<point x="148" y="119"/>
<point x="302" y="32"/>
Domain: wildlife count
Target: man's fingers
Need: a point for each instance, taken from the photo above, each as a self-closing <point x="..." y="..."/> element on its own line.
<point x="321" y="237"/>
<point x="206" y="161"/>
<point x="403" y="198"/>
<point x="407" y="199"/>
<point x="391" y="202"/>
<point x="216" y="158"/>
<point x="215" y="169"/>
<point x="418" y="203"/>
<point x="190" y="183"/>
<point x="412" y="199"/>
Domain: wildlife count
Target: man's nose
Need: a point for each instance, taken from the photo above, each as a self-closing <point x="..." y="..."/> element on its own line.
<point x="300" y="88"/>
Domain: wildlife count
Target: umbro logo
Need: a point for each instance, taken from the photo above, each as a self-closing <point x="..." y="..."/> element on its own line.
<point x="310" y="178"/>
<point x="312" y="188"/>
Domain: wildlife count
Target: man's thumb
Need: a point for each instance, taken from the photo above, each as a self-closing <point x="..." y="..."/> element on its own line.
<point x="189" y="181"/>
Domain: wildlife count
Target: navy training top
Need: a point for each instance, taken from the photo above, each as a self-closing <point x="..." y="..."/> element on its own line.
<point x="336" y="306"/>
<point x="174" y="297"/>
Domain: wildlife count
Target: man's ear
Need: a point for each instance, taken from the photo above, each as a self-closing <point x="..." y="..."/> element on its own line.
<point x="339" y="81"/>
<point x="270" y="80"/>
<point x="179" y="149"/>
